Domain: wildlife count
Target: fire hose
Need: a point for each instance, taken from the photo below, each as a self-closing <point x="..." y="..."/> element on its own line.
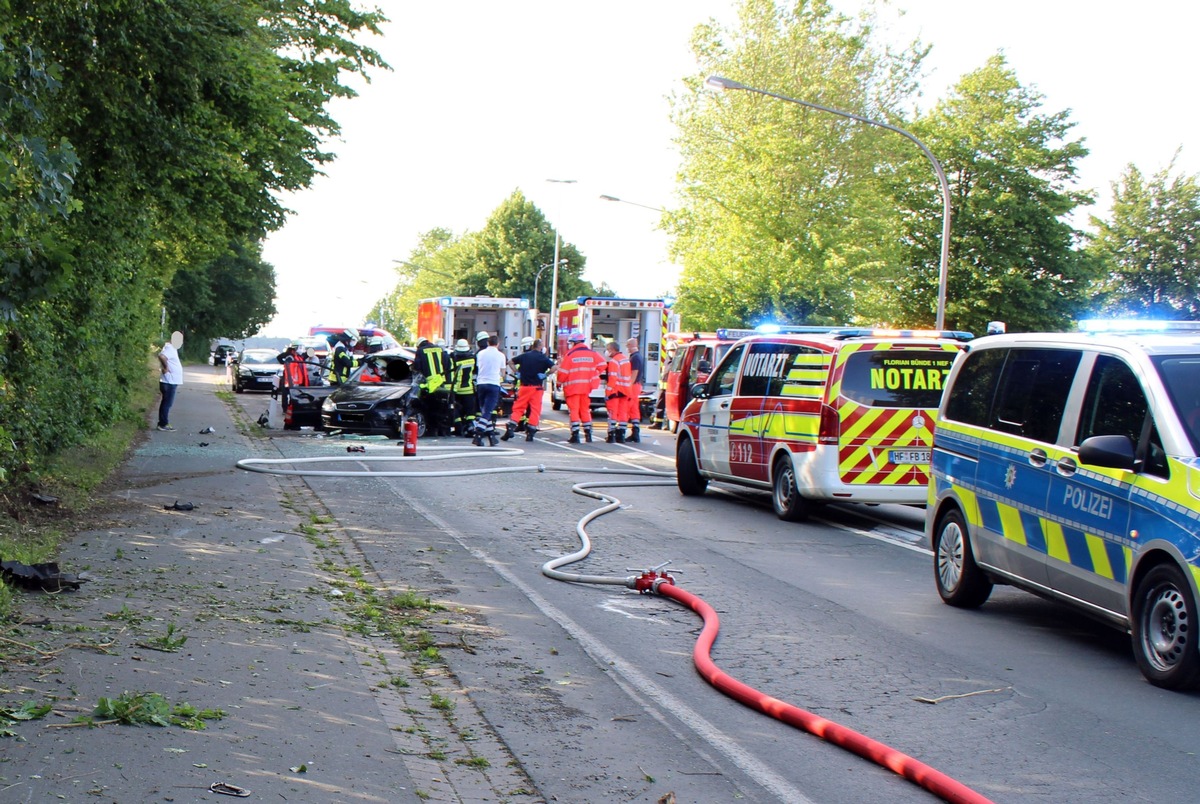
<point x="651" y="581"/>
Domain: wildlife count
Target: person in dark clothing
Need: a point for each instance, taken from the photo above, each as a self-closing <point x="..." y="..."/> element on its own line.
<point x="532" y="369"/>
<point x="434" y="395"/>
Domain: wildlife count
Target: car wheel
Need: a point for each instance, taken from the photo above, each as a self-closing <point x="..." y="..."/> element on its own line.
<point x="1166" y="633"/>
<point x="960" y="582"/>
<point x="785" y="493"/>
<point x="687" y="470"/>
<point x="556" y="404"/>
<point x="238" y="389"/>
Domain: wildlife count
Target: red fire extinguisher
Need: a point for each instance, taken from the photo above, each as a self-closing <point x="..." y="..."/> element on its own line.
<point x="410" y="438"/>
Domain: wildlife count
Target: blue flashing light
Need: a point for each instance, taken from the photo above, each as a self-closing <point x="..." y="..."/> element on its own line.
<point x="768" y="329"/>
<point x="1129" y="325"/>
<point x="446" y="301"/>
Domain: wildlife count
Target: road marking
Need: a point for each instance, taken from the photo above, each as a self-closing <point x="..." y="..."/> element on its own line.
<point x="635" y="683"/>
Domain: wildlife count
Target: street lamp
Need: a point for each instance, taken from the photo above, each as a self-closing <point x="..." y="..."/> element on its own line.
<point x="634" y="203"/>
<point x="943" y="269"/>
<point x="537" y="278"/>
<point x="554" y="288"/>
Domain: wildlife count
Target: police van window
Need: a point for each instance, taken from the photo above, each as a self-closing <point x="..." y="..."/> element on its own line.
<point x="896" y="378"/>
<point x="1032" y="393"/>
<point x="722" y="381"/>
<point x="1181" y="375"/>
<point x="970" y="400"/>
<point x="1114" y="403"/>
<point x="773" y="367"/>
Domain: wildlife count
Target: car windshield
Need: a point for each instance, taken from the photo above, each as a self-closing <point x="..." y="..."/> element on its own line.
<point x="258" y="357"/>
<point x="394" y="368"/>
<point x="1181" y="375"/>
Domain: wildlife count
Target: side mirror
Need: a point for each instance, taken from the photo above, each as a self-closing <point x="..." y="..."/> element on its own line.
<point x="1110" y="451"/>
<point x="699" y="390"/>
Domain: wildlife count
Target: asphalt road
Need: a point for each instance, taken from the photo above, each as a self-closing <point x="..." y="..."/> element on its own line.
<point x="593" y="690"/>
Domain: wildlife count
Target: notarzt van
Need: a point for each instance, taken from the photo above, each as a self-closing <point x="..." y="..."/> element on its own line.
<point x="819" y="415"/>
<point x="1069" y="465"/>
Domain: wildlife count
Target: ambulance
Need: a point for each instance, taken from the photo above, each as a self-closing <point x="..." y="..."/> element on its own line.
<point x="607" y="318"/>
<point x="455" y="318"/>
<point x="818" y="415"/>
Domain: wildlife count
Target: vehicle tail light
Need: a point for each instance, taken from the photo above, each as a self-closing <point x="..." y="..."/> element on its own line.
<point x="831" y="426"/>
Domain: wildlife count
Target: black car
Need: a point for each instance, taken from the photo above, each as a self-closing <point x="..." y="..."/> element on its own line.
<point x="371" y="408"/>
<point x="223" y="353"/>
<point x="256" y="370"/>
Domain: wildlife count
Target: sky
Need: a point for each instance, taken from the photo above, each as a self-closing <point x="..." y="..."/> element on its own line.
<point x="485" y="98"/>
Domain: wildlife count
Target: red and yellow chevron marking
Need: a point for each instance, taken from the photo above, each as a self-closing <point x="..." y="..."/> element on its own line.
<point x="867" y="436"/>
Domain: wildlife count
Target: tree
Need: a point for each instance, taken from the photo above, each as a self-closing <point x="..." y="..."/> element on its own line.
<point x="232" y="296"/>
<point x="503" y="258"/>
<point x="1011" y="169"/>
<point x="785" y="214"/>
<point x="186" y="119"/>
<point x="1148" y="252"/>
<point x="432" y="269"/>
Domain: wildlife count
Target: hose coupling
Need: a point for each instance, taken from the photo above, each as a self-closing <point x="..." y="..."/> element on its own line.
<point x="648" y="582"/>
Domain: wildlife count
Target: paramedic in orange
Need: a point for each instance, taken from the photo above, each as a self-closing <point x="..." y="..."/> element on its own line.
<point x="579" y="372"/>
<point x="616" y="392"/>
<point x="637" y="372"/>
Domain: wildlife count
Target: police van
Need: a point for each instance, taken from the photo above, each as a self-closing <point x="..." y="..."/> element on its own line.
<point x="1067" y="465"/>
<point x="818" y="415"/>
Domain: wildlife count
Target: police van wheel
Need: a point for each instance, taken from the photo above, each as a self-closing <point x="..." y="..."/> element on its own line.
<point x="1166" y="631"/>
<point x="960" y="582"/>
<point x="687" y="472"/>
<point x="785" y="494"/>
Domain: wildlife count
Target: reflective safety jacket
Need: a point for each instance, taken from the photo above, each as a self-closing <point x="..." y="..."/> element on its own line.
<point x="429" y="363"/>
<point x="295" y="373"/>
<point x="620" y="375"/>
<point x="462" y="374"/>
<point x="343" y="362"/>
<point x="579" y="371"/>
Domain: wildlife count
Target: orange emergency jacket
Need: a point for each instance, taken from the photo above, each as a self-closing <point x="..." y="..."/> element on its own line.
<point x="579" y="371"/>
<point x="620" y="375"/>
<point x="295" y="373"/>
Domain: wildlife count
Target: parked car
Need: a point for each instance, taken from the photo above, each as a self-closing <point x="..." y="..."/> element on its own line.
<point x="256" y="370"/>
<point x="1068" y="465"/>
<point x="221" y="354"/>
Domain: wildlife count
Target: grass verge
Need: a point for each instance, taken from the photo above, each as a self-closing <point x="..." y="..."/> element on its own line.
<point x="31" y="531"/>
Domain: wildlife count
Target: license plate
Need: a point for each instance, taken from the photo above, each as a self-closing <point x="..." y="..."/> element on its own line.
<point x="903" y="456"/>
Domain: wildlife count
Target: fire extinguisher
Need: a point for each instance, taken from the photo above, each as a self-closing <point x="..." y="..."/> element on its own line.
<point x="410" y="438"/>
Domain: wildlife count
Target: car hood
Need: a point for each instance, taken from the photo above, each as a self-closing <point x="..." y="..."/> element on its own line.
<point x="371" y="392"/>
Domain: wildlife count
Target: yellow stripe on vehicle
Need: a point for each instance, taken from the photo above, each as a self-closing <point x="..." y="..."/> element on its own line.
<point x="1056" y="543"/>
<point x="1100" y="563"/>
<point x="1010" y="523"/>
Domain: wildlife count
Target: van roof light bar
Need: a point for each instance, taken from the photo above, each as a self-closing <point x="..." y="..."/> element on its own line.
<point x="1094" y="326"/>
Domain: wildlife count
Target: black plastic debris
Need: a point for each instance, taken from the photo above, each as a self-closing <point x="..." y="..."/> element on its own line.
<point x="42" y="577"/>
<point x="202" y="444"/>
<point x="44" y="499"/>
<point x="178" y="506"/>
<point x="207" y="430"/>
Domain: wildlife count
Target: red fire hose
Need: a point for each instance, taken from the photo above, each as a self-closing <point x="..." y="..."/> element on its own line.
<point x="915" y="771"/>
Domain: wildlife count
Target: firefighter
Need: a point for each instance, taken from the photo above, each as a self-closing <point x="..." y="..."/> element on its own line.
<point x="342" y="358"/>
<point x="579" y="373"/>
<point x="637" y="373"/>
<point x="434" y="397"/>
<point x="462" y="385"/>
<point x="616" y="392"/>
<point x="533" y="366"/>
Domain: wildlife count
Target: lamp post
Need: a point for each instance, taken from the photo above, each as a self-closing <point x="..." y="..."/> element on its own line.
<point x="537" y="278"/>
<point x="554" y="287"/>
<point x="634" y="203"/>
<point x="943" y="268"/>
